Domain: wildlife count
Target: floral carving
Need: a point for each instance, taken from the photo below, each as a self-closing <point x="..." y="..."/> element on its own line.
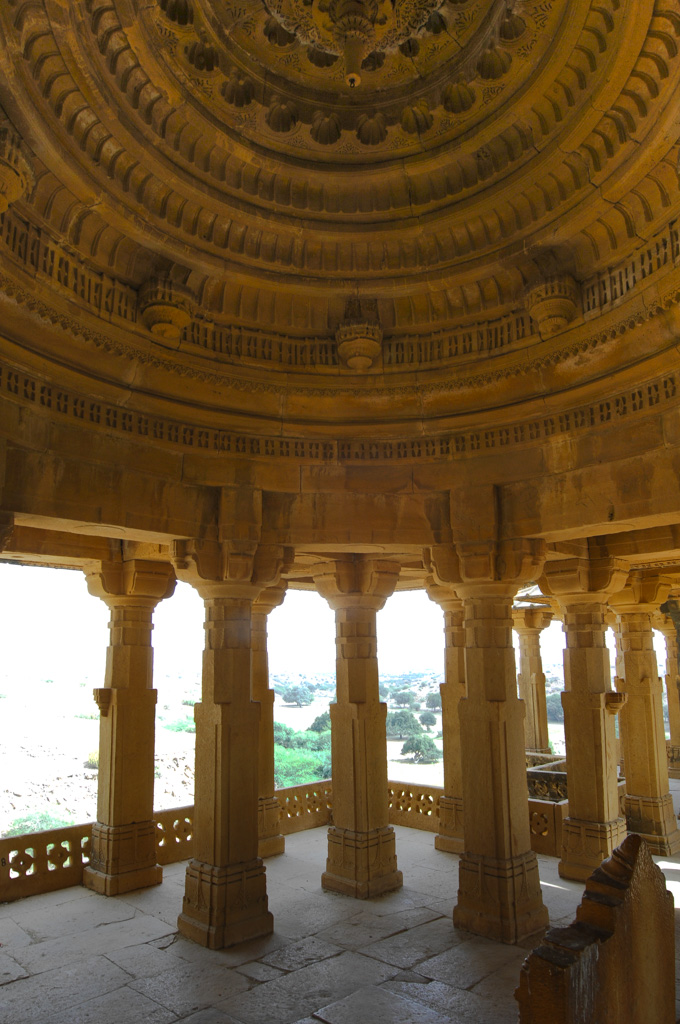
<point x="237" y="90"/>
<point x="493" y="63"/>
<point x="371" y="129"/>
<point x="281" y="115"/>
<point x="458" y="97"/>
<point x="325" y="128"/>
<point x="416" y="119"/>
<point x="16" y="170"/>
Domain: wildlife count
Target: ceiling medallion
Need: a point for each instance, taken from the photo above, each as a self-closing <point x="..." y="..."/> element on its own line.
<point x="353" y="28"/>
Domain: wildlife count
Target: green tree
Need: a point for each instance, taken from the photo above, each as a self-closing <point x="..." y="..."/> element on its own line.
<point x="434" y="701"/>
<point x="423" y="749"/>
<point x="298" y="695"/>
<point x="404" y="699"/>
<point x="555" y="711"/>
<point x="428" y="719"/>
<point x="403" y="723"/>
<point x="321" y="723"/>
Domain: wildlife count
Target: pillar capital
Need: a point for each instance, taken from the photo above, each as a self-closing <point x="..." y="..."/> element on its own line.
<point x="270" y="598"/>
<point x="445" y="596"/>
<point x="357" y="581"/>
<point x="583" y="580"/>
<point x="229" y="568"/>
<point x="530" y="619"/>
<point x="491" y="568"/>
<point x="644" y="594"/>
<point x="135" y="579"/>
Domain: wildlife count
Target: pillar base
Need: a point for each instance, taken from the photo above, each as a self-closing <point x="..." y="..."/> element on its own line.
<point x="654" y="819"/>
<point x="500" y="899"/>
<point x="270" y="841"/>
<point x="585" y="844"/>
<point x="128" y="881"/>
<point x="224" y="906"/>
<point x="271" y="846"/>
<point x="122" y="858"/>
<point x="361" y="864"/>
<point x="450" y="838"/>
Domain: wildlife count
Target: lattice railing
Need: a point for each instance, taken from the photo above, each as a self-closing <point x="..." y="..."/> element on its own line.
<point x="414" y="806"/>
<point x="174" y="834"/>
<point x="43" y="861"/>
<point x="304" y="807"/>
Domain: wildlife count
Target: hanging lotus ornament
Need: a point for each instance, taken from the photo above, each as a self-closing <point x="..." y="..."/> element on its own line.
<point x="352" y="28"/>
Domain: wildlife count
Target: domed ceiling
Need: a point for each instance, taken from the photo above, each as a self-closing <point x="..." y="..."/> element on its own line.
<point x="429" y="209"/>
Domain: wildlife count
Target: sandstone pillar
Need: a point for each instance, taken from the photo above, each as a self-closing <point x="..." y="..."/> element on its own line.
<point x="594" y="827"/>
<point x="499" y="893"/>
<point x="649" y="808"/>
<point x="123" y="855"/>
<point x="362" y="860"/>
<point x="271" y="841"/>
<point x="666" y="625"/>
<point x="528" y="623"/>
<point x="453" y="690"/>
<point x="225" y="899"/>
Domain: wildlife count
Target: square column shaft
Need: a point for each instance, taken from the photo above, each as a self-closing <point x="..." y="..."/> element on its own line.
<point x="271" y="842"/>
<point x="450" y="837"/>
<point x="667" y="625"/>
<point x="529" y="622"/>
<point x="225" y="898"/>
<point x="123" y="855"/>
<point x="499" y="893"/>
<point x="649" y="807"/>
<point x="361" y="849"/>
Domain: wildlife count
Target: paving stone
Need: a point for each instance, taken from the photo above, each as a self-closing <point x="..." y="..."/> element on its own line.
<point x="409" y="948"/>
<point x="190" y="987"/>
<point x="247" y="952"/>
<point x="366" y="928"/>
<point x="124" y="1006"/>
<point x="143" y="961"/>
<point x="301" y="954"/>
<point x="453" y="1004"/>
<point x="466" y="964"/>
<point x="10" y="970"/>
<point x="301" y="993"/>
<point x="109" y="937"/>
<point x="210" y="1016"/>
<point x="49" y="921"/>
<point x="377" y="1006"/>
<point x="11" y="935"/>
<point x="31" y="1000"/>
<point x="258" y="971"/>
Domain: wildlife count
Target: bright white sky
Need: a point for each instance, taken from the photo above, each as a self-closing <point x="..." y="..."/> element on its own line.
<point x="53" y="629"/>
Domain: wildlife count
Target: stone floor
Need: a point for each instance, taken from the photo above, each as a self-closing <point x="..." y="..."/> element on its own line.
<point x="76" y="957"/>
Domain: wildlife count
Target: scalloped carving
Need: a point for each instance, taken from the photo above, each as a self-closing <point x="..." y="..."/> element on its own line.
<point x="493" y="64"/>
<point x="553" y="303"/>
<point x="164" y="308"/>
<point x="512" y="27"/>
<point x="372" y="129"/>
<point x="179" y="11"/>
<point x="325" y="128"/>
<point x="277" y="34"/>
<point x="202" y="56"/>
<point x="458" y="97"/>
<point x="238" y="90"/>
<point x="281" y="115"/>
<point x="416" y="119"/>
<point x="321" y="58"/>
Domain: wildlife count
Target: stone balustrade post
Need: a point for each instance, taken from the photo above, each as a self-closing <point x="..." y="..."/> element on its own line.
<point x="499" y="892"/>
<point x="225" y="899"/>
<point x="528" y="624"/>
<point x="271" y="842"/>
<point x="649" y="807"/>
<point x="453" y="689"/>
<point x="594" y="826"/>
<point x="361" y="860"/>
<point x="123" y="854"/>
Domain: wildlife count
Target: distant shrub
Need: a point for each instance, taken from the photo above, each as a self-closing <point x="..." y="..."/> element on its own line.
<point x="555" y="711"/>
<point x="403" y="723"/>
<point x="423" y="749"/>
<point x="92" y="759"/>
<point x="181" y="725"/>
<point x="321" y="723"/>
<point x="37" y="821"/>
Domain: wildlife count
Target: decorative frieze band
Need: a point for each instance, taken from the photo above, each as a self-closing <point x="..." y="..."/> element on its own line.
<point x="28" y="390"/>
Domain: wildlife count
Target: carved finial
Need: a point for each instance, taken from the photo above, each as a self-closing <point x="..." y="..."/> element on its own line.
<point x="359" y="336"/>
<point x="164" y="308"/>
<point x="17" y="177"/>
<point x="553" y="303"/>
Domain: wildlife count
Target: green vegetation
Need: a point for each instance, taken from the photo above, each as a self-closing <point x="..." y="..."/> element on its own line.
<point x="402" y="723"/>
<point x="321" y="723"/>
<point x="404" y="699"/>
<point x="37" y="821"/>
<point x="554" y="707"/>
<point x="428" y="719"/>
<point x="185" y="724"/>
<point x="300" y="757"/>
<point x="433" y="701"/>
<point x="299" y="695"/>
<point x="423" y="749"/>
<point x="92" y="759"/>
